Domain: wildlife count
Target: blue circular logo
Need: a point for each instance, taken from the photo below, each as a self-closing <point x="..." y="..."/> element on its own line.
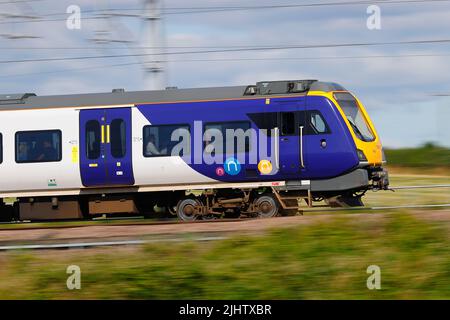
<point x="232" y="166"/>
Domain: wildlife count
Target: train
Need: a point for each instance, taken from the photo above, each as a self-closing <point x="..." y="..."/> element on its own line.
<point x="259" y="150"/>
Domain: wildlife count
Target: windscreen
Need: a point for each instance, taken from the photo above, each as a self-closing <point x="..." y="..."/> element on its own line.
<point x="355" y="116"/>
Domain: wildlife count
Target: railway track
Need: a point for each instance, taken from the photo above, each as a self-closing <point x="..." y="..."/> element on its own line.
<point x="78" y="237"/>
<point x="168" y="232"/>
<point x="432" y="186"/>
<point x="107" y="222"/>
<point x="84" y="245"/>
<point x="140" y="220"/>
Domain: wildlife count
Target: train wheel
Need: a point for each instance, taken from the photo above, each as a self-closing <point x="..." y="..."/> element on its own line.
<point x="266" y="206"/>
<point x="186" y="209"/>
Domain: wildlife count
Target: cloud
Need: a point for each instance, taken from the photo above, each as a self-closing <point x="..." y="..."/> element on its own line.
<point x="395" y="90"/>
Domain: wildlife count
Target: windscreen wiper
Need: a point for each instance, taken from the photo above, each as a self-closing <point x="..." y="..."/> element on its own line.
<point x="357" y="131"/>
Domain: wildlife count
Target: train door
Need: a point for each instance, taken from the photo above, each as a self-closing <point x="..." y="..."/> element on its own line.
<point x="105" y="147"/>
<point x="319" y="150"/>
<point x="289" y="140"/>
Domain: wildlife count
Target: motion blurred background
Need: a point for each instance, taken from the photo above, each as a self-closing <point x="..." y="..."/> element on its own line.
<point x="219" y="43"/>
<point x="399" y="72"/>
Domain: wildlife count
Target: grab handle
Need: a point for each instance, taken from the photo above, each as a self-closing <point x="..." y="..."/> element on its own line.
<point x="277" y="147"/>
<point x="302" y="163"/>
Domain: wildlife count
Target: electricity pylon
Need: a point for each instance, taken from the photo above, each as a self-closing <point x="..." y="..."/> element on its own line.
<point x="153" y="41"/>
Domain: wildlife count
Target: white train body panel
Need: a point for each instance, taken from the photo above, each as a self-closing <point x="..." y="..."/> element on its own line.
<point x="64" y="174"/>
<point x="55" y="178"/>
<point x="159" y="170"/>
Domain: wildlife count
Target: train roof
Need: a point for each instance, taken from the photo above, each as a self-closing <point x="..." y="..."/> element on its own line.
<point x="120" y="97"/>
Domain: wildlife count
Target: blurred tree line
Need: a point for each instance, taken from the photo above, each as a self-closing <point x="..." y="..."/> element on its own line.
<point x="428" y="155"/>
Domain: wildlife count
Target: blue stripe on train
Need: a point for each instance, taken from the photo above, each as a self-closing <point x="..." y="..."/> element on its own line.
<point x="338" y="157"/>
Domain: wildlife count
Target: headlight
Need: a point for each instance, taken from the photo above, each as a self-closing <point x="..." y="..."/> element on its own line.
<point x="361" y="155"/>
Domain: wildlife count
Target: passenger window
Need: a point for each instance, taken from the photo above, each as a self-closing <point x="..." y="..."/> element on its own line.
<point x="92" y="139"/>
<point x="118" y="138"/>
<point x="317" y="123"/>
<point x="288" y="127"/>
<point x="38" y="146"/>
<point x="236" y="136"/>
<point x="167" y="140"/>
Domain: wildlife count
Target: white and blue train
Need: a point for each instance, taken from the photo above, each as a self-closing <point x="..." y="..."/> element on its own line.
<point x="78" y="156"/>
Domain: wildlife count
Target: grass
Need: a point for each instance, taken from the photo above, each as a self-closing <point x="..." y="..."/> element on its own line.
<point x="323" y="260"/>
<point x="427" y="156"/>
<point x="411" y="196"/>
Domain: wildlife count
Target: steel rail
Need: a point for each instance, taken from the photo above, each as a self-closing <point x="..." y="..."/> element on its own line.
<point x="412" y="206"/>
<point x="174" y="221"/>
<point x="109" y="222"/>
<point x="142" y="221"/>
<point x="431" y="186"/>
<point x="82" y="245"/>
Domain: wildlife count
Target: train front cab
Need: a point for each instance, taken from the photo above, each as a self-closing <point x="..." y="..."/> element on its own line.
<point x="367" y="143"/>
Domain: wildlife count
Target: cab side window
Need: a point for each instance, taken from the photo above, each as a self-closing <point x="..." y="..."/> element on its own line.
<point x="317" y="122"/>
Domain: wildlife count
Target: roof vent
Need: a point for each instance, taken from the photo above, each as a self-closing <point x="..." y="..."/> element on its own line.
<point x="283" y="87"/>
<point x="119" y="90"/>
<point x="17" y="98"/>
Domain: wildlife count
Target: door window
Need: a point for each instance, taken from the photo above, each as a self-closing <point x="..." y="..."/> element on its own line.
<point x="118" y="138"/>
<point x="288" y="127"/>
<point x="92" y="139"/>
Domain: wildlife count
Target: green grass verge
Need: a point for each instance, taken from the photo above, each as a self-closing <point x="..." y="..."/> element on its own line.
<point x="323" y="260"/>
<point x="427" y="156"/>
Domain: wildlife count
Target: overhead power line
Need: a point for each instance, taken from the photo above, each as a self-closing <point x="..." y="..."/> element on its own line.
<point x="362" y="57"/>
<point x="125" y="12"/>
<point x="291" y="6"/>
<point x="19" y="1"/>
<point x="245" y="49"/>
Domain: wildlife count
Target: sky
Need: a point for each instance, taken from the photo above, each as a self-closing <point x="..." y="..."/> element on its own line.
<point x="397" y="83"/>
